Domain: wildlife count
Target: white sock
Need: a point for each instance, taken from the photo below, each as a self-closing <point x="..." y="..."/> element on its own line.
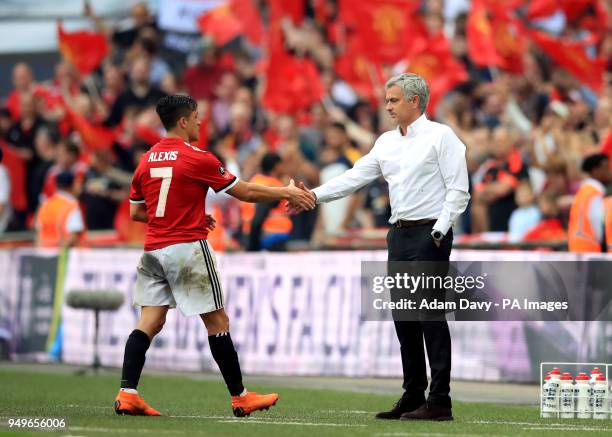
<point x="244" y="392"/>
<point x="130" y="390"/>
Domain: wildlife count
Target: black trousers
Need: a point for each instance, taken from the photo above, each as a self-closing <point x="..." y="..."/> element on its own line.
<point x="416" y="244"/>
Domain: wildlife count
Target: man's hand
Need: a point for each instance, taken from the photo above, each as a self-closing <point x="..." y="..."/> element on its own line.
<point x="210" y="223"/>
<point x="300" y="198"/>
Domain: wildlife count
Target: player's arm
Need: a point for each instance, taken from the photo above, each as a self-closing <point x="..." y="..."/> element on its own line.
<point x="138" y="212"/>
<point x="250" y="192"/>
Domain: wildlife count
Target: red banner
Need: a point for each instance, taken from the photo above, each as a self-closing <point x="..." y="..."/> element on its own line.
<point x="435" y="63"/>
<point x="85" y="50"/>
<point x="572" y="56"/>
<point x="386" y="29"/>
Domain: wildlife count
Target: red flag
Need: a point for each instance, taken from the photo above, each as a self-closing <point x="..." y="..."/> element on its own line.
<point x="509" y="42"/>
<point x="93" y="137"/>
<point x="292" y="84"/>
<point x="434" y="62"/>
<point x="587" y="14"/>
<point x="382" y="26"/>
<point x="250" y="20"/>
<point x="572" y="56"/>
<point x="221" y="24"/>
<point x="481" y="44"/>
<point x="15" y="165"/>
<point x="146" y="134"/>
<point x="542" y="8"/>
<point x="293" y="9"/>
<point x="85" y="50"/>
<point x="354" y="68"/>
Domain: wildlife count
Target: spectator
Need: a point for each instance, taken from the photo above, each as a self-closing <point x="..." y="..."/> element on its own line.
<point x="550" y="227"/>
<point x="526" y="216"/>
<point x="104" y="188"/>
<point x="67" y="160"/>
<point x="21" y="137"/>
<point x="140" y="93"/>
<point x="201" y="79"/>
<point x="23" y="83"/>
<point x="127" y="31"/>
<point x="498" y="178"/>
<point x="46" y="149"/>
<point x="586" y="223"/>
<point x="59" y="222"/>
<point x="267" y="225"/>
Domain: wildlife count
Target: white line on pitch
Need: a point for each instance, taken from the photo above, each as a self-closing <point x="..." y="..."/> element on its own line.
<point x="565" y="428"/>
<point x="124" y="430"/>
<point x="98" y="407"/>
<point x="280" y="422"/>
<point x="427" y="434"/>
<point x="549" y="425"/>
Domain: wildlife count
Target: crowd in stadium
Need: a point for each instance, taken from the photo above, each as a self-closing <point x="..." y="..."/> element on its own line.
<point x="528" y="122"/>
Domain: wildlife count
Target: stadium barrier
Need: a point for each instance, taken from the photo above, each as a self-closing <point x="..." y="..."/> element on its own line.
<point x="292" y="314"/>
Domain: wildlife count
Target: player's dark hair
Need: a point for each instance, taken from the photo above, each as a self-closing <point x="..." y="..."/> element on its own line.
<point x="594" y="161"/>
<point x="171" y="108"/>
<point x="269" y="161"/>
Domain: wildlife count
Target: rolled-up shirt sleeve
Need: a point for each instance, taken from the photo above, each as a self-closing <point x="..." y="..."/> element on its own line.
<point x="365" y="170"/>
<point x="453" y="167"/>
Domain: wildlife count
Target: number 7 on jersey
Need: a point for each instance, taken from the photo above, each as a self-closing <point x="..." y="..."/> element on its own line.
<point x="166" y="174"/>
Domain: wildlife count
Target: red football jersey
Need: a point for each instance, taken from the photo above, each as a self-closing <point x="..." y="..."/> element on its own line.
<point x="172" y="180"/>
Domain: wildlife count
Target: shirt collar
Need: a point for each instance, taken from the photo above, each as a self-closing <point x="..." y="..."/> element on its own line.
<point x="172" y="141"/>
<point x="595" y="183"/>
<point x="415" y="126"/>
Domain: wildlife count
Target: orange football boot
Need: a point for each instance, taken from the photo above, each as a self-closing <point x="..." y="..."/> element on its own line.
<point x="133" y="405"/>
<point x="245" y="405"/>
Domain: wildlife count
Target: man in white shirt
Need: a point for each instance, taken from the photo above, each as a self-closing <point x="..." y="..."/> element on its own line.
<point x="424" y="164"/>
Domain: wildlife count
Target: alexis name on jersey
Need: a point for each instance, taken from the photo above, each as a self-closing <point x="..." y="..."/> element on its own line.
<point x="171" y="155"/>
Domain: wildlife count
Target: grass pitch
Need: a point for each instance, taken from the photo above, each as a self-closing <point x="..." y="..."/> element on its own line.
<point x="192" y="406"/>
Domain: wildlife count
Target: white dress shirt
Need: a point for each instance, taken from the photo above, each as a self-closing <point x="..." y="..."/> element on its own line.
<point x="425" y="169"/>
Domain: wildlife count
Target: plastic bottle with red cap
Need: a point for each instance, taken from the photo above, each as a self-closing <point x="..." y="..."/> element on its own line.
<point x="583" y="396"/>
<point x="594" y="373"/>
<point x="566" y="396"/>
<point x="550" y="393"/>
<point x="600" y="398"/>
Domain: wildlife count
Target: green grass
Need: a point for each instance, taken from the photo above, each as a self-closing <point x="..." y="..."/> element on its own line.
<point x="86" y="401"/>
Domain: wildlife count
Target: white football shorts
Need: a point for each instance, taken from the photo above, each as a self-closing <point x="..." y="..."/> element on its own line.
<point x="181" y="275"/>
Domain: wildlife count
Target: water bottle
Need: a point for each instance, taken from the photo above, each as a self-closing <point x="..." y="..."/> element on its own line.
<point x="544" y="406"/>
<point x="600" y="398"/>
<point x="594" y="374"/>
<point x="550" y="392"/>
<point x="566" y="396"/>
<point x="583" y="396"/>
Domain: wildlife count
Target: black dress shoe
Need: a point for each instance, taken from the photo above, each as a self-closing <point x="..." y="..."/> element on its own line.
<point x="404" y="405"/>
<point x="429" y="412"/>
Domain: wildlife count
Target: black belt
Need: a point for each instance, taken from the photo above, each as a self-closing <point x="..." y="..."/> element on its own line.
<point x="411" y="223"/>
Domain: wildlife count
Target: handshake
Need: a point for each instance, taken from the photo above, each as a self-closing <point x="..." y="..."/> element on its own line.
<point x="299" y="198"/>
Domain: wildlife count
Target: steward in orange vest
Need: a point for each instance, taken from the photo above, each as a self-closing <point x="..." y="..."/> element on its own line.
<point x="608" y="222"/>
<point x="59" y="221"/>
<point x="266" y="225"/>
<point x="586" y="221"/>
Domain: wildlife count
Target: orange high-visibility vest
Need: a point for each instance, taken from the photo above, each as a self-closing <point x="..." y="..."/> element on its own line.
<point x="217" y="237"/>
<point x="53" y="218"/>
<point x="581" y="235"/>
<point x="608" y="222"/>
<point x="277" y="222"/>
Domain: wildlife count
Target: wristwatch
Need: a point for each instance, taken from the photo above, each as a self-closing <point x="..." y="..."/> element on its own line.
<point x="437" y="235"/>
